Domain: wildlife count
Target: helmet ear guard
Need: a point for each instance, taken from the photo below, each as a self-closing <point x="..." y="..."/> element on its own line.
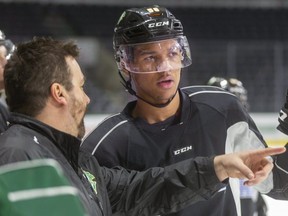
<point x="10" y="47"/>
<point x="117" y="57"/>
<point x="127" y="83"/>
<point x="2" y="36"/>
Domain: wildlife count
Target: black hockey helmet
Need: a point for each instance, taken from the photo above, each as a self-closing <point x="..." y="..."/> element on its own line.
<point x="232" y="85"/>
<point x="10" y="47"/>
<point x="149" y="40"/>
<point x="139" y="25"/>
<point x="144" y="26"/>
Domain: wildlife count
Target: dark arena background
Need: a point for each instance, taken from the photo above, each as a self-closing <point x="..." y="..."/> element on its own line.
<point x="244" y="39"/>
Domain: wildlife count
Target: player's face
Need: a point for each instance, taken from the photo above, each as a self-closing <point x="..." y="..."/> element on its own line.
<point x="78" y="100"/>
<point x="3" y="62"/>
<point x="157" y="87"/>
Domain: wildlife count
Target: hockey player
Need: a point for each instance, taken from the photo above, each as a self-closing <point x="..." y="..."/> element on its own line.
<point x="6" y="49"/>
<point x="252" y="201"/>
<point x="166" y="124"/>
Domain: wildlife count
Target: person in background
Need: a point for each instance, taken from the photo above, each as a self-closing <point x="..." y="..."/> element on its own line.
<point x="166" y="124"/>
<point x="252" y="202"/>
<point x="44" y="89"/>
<point x="6" y="49"/>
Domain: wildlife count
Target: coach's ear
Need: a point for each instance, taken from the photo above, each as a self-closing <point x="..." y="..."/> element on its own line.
<point x="58" y="93"/>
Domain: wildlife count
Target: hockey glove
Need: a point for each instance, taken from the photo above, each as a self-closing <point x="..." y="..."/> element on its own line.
<point x="283" y="117"/>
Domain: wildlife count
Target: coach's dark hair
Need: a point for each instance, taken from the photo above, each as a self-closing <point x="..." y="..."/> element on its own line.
<point x="33" y="68"/>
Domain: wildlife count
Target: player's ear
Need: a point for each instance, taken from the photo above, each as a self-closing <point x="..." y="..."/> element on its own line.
<point x="58" y="93"/>
<point x="124" y="70"/>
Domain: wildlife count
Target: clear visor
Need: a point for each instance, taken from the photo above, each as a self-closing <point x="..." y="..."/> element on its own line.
<point x="156" y="56"/>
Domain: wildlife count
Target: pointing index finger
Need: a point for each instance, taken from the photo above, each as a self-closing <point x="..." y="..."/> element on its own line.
<point x="268" y="151"/>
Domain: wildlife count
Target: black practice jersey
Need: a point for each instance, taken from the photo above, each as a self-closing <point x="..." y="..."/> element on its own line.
<point x="210" y="122"/>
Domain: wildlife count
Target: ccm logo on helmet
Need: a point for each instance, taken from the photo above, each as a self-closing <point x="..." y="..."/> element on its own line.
<point x="182" y="150"/>
<point x="158" y="24"/>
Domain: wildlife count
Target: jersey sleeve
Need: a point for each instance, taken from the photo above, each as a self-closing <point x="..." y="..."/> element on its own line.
<point x="161" y="190"/>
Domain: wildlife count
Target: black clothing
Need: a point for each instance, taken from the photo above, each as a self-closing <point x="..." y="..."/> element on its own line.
<point x="211" y="122"/>
<point x="129" y="191"/>
<point x="28" y="139"/>
<point x="4" y="115"/>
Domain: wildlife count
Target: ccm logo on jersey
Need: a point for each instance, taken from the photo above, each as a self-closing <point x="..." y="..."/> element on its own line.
<point x="158" y="24"/>
<point x="182" y="150"/>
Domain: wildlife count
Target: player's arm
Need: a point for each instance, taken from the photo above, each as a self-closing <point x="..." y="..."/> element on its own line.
<point x="251" y="165"/>
<point x="169" y="189"/>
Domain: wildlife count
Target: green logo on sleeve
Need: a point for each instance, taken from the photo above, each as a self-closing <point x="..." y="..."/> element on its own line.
<point x="91" y="179"/>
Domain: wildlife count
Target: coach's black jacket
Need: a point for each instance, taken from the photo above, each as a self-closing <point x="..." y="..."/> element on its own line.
<point x="4" y="115"/>
<point x="130" y="192"/>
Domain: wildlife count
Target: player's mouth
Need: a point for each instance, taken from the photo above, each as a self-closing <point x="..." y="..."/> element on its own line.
<point x="166" y="83"/>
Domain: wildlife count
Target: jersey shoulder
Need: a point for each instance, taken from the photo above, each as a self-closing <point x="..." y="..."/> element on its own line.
<point x="108" y="123"/>
<point x="211" y="96"/>
<point x="204" y="89"/>
<point x="114" y="124"/>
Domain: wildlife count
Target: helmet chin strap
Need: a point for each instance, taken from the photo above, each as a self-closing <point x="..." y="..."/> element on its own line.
<point x="128" y="87"/>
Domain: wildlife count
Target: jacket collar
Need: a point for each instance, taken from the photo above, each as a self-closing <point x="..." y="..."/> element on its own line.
<point x="66" y="143"/>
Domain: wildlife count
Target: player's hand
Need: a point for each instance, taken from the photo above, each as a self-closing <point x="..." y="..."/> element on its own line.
<point x="251" y="165"/>
<point x="283" y="117"/>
